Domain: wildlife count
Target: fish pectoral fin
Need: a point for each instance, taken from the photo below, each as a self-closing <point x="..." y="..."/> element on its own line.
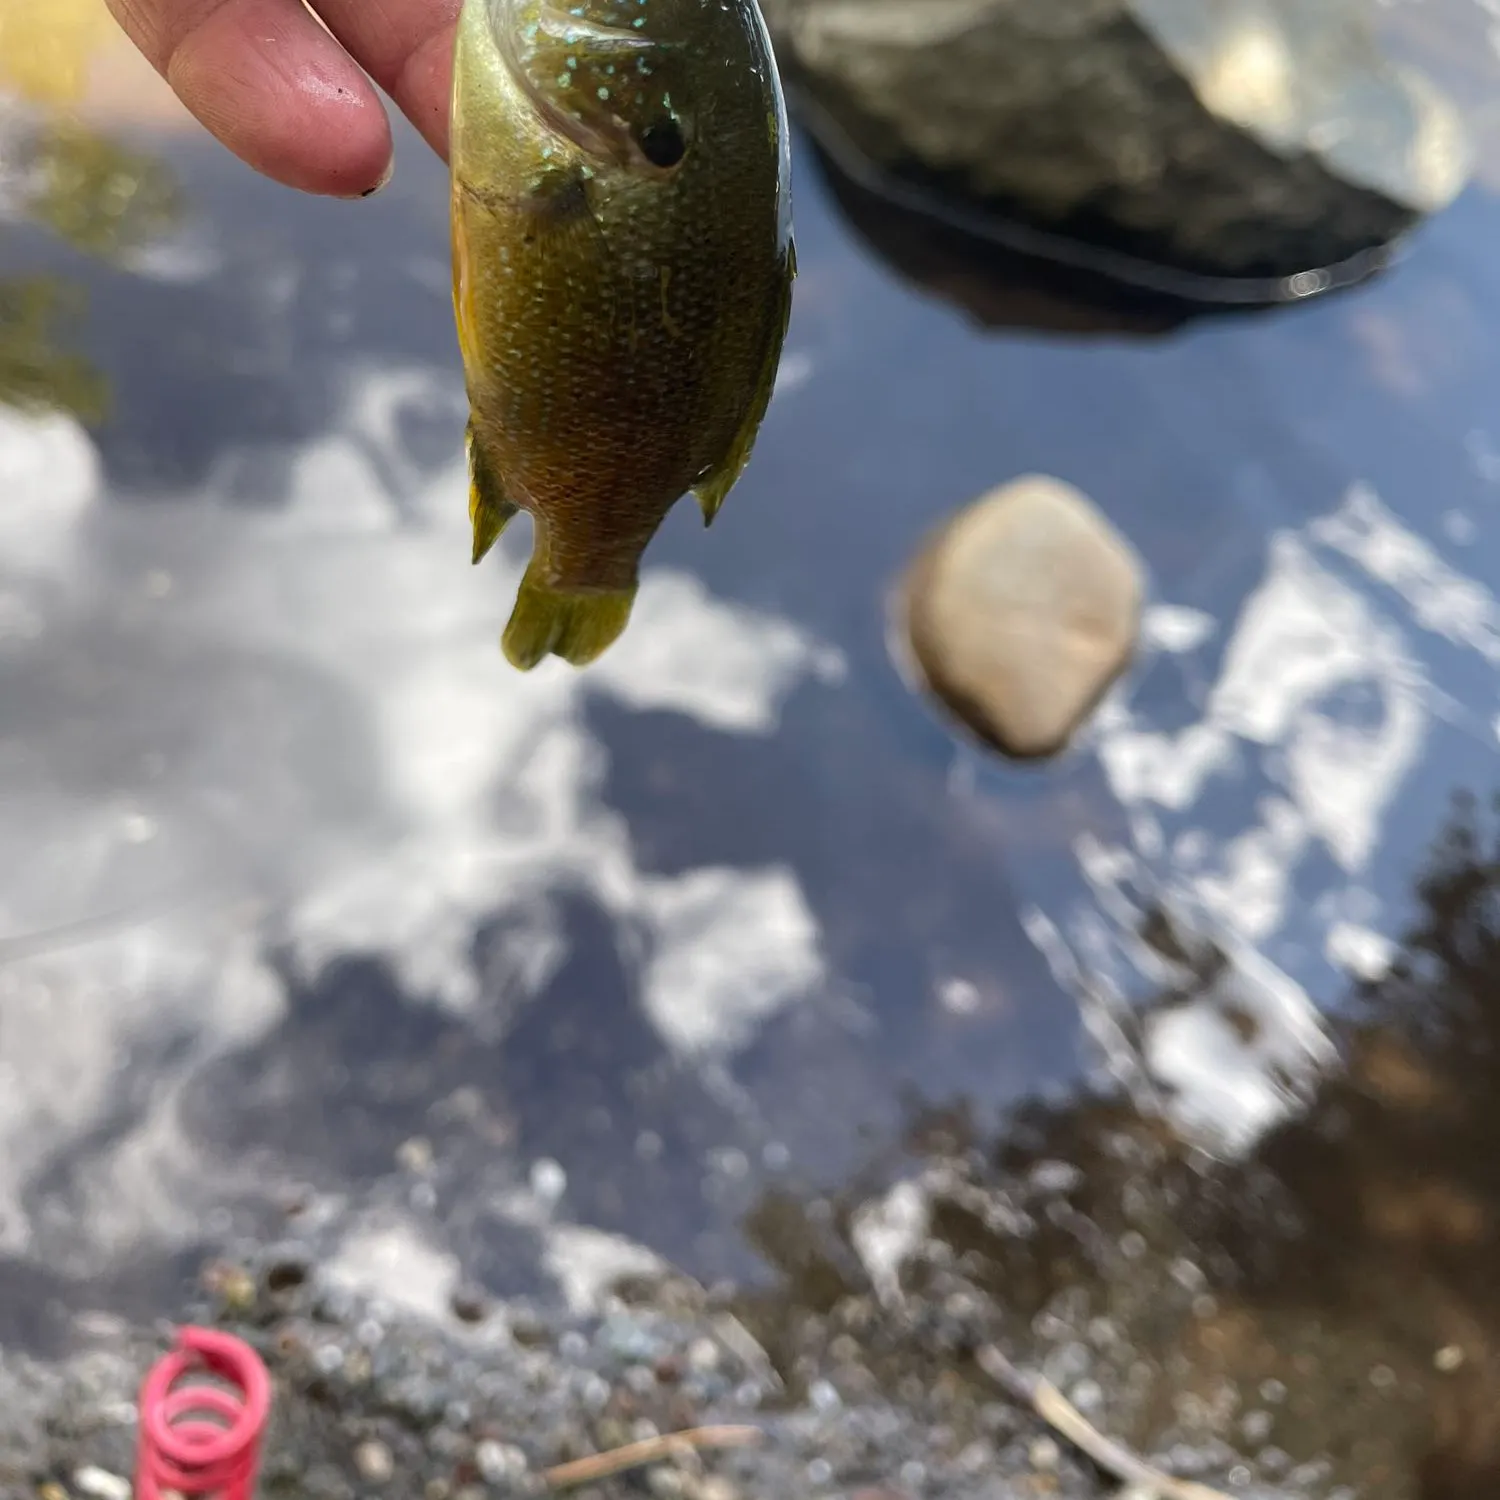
<point x="713" y="491"/>
<point x="490" y="509"/>
<point x="714" y="485"/>
<point x="558" y="201"/>
<point x="548" y="621"/>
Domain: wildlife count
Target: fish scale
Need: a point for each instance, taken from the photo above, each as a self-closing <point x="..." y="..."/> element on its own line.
<point x="623" y="265"/>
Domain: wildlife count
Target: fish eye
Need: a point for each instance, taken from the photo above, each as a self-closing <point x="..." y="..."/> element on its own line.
<point x="662" y="144"/>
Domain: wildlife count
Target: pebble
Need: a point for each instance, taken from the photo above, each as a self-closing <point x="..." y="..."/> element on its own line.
<point x="824" y="1397"/>
<point x="548" y="1180"/>
<point x="1044" y="1454"/>
<point x="415" y="1155"/>
<point x="231" y="1284"/>
<point x="101" y="1484"/>
<point x="469" y="1304"/>
<point x="286" y="1272"/>
<point x="500" y="1463"/>
<point x="374" y="1461"/>
<point x="716" y="1487"/>
<point x="1020" y="613"/>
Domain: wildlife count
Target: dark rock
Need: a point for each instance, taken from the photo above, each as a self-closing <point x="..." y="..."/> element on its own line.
<point x="1237" y="143"/>
<point x="998" y="287"/>
<point x="469" y="1304"/>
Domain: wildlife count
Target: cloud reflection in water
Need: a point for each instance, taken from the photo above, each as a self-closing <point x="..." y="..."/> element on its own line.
<point x="233" y="732"/>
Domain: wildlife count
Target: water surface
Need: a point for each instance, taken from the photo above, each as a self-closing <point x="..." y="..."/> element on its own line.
<point x="312" y="901"/>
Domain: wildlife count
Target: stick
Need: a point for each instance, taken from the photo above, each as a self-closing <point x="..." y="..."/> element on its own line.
<point x="633" y="1455"/>
<point x="1063" y="1417"/>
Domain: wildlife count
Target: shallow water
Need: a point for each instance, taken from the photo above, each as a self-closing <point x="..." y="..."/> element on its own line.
<point x="312" y="901"/>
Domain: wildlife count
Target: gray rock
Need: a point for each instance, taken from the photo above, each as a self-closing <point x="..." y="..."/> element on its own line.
<point x="1021" y="612"/>
<point x="1223" y="139"/>
<point x="374" y="1461"/>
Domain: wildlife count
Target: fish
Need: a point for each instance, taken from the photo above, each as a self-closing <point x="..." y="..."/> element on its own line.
<point x="623" y="263"/>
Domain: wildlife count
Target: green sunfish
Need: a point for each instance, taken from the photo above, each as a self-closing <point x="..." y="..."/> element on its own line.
<point x="622" y="279"/>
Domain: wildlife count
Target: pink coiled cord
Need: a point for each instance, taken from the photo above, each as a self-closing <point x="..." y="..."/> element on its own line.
<point x="200" y="1439"/>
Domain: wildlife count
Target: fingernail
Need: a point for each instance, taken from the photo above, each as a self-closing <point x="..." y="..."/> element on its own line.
<point x="385" y="177"/>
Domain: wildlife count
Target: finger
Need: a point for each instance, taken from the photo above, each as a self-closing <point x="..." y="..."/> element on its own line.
<point x="272" y="85"/>
<point x="407" y="48"/>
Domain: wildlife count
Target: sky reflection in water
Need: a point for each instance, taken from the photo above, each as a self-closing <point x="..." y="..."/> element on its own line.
<point x="628" y="946"/>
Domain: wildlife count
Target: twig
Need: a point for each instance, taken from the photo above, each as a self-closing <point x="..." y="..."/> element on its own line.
<point x="1063" y="1417"/>
<point x="650" y="1451"/>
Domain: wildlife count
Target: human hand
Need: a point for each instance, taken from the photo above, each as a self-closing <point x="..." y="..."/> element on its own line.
<point x="293" y="101"/>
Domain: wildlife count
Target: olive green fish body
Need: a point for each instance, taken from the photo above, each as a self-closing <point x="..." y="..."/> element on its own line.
<point x="622" y="274"/>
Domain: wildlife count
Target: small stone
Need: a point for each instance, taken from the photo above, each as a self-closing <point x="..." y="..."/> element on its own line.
<point x="548" y="1180"/>
<point x="500" y="1463"/>
<point x="1021" y="612"/>
<point x="101" y="1484"/>
<point x="469" y="1304"/>
<point x="717" y="1487"/>
<point x="528" y="1330"/>
<point x="666" y="1483"/>
<point x="415" y="1155"/>
<point x="373" y="1460"/>
<point x="232" y="1285"/>
<point x="1256" y="1426"/>
<point x="824" y="1397"/>
<point x="1044" y="1455"/>
<point x="286" y="1272"/>
<point x="1448" y="1359"/>
<point x="703" y="1356"/>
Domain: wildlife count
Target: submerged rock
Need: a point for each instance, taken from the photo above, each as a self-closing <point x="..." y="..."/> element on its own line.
<point x="1255" y="139"/>
<point x="1021" y="612"/>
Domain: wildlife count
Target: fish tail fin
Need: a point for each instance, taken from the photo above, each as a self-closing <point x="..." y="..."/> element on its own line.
<point x="577" y="626"/>
<point x="490" y="509"/>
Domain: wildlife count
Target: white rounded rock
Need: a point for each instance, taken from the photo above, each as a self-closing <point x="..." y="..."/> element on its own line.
<point x="1021" y="612"/>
